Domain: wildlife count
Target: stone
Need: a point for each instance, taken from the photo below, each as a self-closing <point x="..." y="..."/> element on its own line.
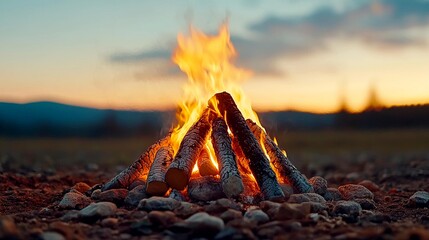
<point x="306" y="197"/>
<point x="162" y="219"/>
<point x="136" y="183"/>
<point x="221" y="205"/>
<point x="365" y="203"/>
<point x="332" y="194"/>
<point x="226" y="233"/>
<point x="270" y="208"/>
<point x="74" y="200"/>
<point x="50" y="235"/>
<point x="8" y="229"/>
<point x="158" y="203"/>
<point x="203" y="223"/>
<point x="287" y="190"/>
<point x="315" y="207"/>
<point x="116" y="196"/>
<point x="419" y="199"/>
<point x="370" y="185"/>
<point x="187" y="209"/>
<point x="354" y="191"/>
<point x="231" y="214"/>
<point x="177" y="195"/>
<point x="320" y="185"/>
<point x="347" y="208"/>
<point x="257" y="216"/>
<point x="96" y="211"/>
<point x="135" y="196"/>
<point x="95" y="195"/>
<point x="81" y="187"/>
<point x="61" y="227"/>
<point x="109" y="222"/>
<point x="276" y="228"/>
<point x="205" y="189"/>
<point x="292" y="211"/>
<point x="70" y="216"/>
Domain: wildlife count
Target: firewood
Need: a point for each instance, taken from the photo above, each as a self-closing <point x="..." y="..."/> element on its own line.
<point x="180" y="169"/>
<point x="259" y="163"/>
<point x="232" y="184"/>
<point x="205" y="164"/>
<point x="139" y="169"/>
<point x="155" y="183"/>
<point x="287" y="171"/>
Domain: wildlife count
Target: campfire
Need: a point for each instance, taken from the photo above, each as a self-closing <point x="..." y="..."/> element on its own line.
<point x="219" y="144"/>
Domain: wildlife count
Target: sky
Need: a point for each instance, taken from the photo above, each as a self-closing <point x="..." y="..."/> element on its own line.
<point x="304" y="55"/>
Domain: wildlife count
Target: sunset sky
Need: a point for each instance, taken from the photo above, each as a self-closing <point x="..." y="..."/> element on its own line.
<point x="304" y="54"/>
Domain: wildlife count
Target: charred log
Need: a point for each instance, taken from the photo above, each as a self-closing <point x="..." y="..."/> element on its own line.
<point x="232" y="184"/>
<point x="259" y="163"/>
<point x="155" y="184"/>
<point x="139" y="169"/>
<point x="205" y="164"/>
<point x="287" y="171"/>
<point x="180" y="169"/>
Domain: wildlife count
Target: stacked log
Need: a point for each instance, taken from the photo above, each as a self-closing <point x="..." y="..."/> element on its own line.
<point x="155" y="184"/>
<point x="205" y="164"/>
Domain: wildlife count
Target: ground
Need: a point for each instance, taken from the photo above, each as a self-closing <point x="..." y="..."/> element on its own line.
<point x="36" y="173"/>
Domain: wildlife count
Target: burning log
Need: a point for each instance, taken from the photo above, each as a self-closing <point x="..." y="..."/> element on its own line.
<point x="288" y="172"/>
<point x="259" y="163"/>
<point x="155" y="184"/>
<point x="180" y="169"/>
<point x="205" y="164"/>
<point x="138" y="169"/>
<point x="232" y="184"/>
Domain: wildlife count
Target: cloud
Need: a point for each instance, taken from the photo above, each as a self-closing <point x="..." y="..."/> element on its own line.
<point x="380" y="24"/>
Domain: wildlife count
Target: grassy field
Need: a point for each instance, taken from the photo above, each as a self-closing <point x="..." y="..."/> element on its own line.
<point x="303" y="147"/>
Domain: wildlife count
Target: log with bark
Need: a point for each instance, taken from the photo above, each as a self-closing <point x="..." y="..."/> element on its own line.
<point x="139" y="169"/>
<point x="232" y="184"/>
<point x="287" y="171"/>
<point x="180" y="169"/>
<point x="259" y="163"/>
<point x="205" y="164"/>
<point x="155" y="183"/>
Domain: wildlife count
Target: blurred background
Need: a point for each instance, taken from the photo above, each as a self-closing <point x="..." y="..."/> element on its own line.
<point x="92" y="83"/>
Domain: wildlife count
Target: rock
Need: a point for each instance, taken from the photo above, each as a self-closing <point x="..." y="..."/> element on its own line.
<point x="116" y="196"/>
<point x="231" y="214"/>
<point x="419" y="199"/>
<point x="221" y="205"/>
<point x="52" y="236"/>
<point x="204" y="224"/>
<point x="109" y="222"/>
<point x="365" y="203"/>
<point x="348" y="210"/>
<point x="205" y="188"/>
<point x="306" y="197"/>
<point x="74" y="200"/>
<point x="226" y="233"/>
<point x="81" y="187"/>
<point x="257" y="216"/>
<point x="187" y="209"/>
<point x="292" y="211"/>
<point x="95" y="211"/>
<point x="287" y="190"/>
<point x="353" y="177"/>
<point x="320" y="185"/>
<point x="354" y="191"/>
<point x="136" y="183"/>
<point x="96" y="194"/>
<point x="8" y="229"/>
<point x="270" y="208"/>
<point x="135" y="196"/>
<point x="315" y="207"/>
<point x="158" y="203"/>
<point x="70" y="216"/>
<point x="61" y="227"/>
<point x="276" y="228"/>
<point x="162" y="219"/>
<point x="370" y="185"/>
<point x="177" y="195"/>
<point x="332" y="194"/>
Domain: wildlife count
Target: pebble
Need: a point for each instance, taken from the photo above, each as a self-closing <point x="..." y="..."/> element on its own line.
<point x="292" y="211"/>
<point x="306" y="197"/>
<point x="135" y="196"/>
<point x="257" y="216"/>
<point x="74" y="200"/>
<point x="347" y="208"/>
<point x="95" y="211"/>
<point x="109" y="222"/>
<point x="187" y="209"/>
<point x="162" y="218"/>
<point x="370" y="185"/>
<point x="332" y="194"/>
<point x="52" y="236"/>
<point x="81" y="187"/>
<point x="315" y="207"/>
<point x="61" y="227"/>
<point x="354" y="191"/>
<point x="116" y="196"/>
<point x="70" y="215"/>
<point x="158" y="203"/>
<point x="8" y="228"/>
<point x="419" y="199"/>
<point x="221" y="205"/>
<point x="270" y="208"/>
<point x="287" y="190"/>
<point x="205" y="188"/>
<point x="320" y="185"/>
<point x="365" y="203"/>
<point x="203" y="223"/>
<point x="95" y="195"/>
<point x="178" y="195"/>
<point x="231" y="214"/>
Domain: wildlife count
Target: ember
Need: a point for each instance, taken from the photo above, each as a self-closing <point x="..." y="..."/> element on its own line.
<point x="213" y="142"/>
